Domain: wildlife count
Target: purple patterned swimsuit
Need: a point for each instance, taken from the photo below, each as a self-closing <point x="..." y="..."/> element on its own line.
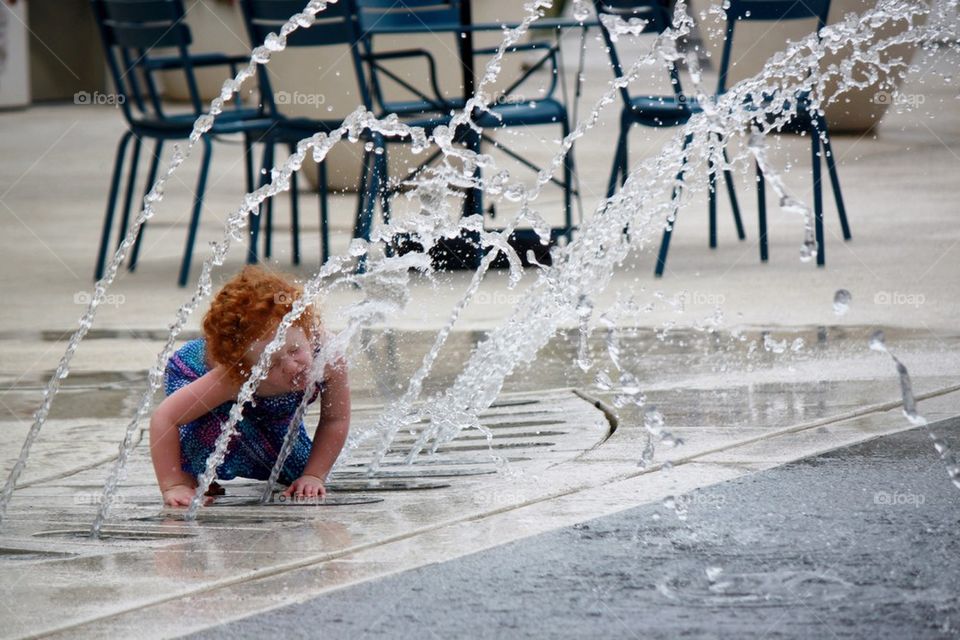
<point x="252" y="453"/>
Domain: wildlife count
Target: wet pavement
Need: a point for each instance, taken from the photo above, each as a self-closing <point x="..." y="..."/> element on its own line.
<point x="739" y="402"/>
<point x="859" y="542"/>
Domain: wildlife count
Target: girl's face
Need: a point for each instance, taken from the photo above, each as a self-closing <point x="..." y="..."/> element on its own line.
<point x="289" y="365"/>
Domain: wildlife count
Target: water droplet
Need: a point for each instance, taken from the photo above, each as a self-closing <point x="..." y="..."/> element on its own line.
<point x="581" y="11"/>
<point x="841" y="302"/>
<point x="274" y="42"/>
<point x="772" y="344"/>
<point x="629" y="385"/>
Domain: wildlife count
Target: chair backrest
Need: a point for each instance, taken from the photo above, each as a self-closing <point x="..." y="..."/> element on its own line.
<point x="141" y="37"/>
<point x="335" y="25"/>
<point x="657" y="15"/>
<point x="413" y="14"/>
<point x="766" y="11"/>
<point x="414" y="17"/>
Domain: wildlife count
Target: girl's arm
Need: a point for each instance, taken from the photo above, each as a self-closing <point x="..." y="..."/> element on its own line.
<point x="184" y="405"/>
<point x="330" y="436"/>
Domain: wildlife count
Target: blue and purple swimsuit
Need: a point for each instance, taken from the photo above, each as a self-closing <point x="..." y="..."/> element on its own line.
<point x="260" y="432"/>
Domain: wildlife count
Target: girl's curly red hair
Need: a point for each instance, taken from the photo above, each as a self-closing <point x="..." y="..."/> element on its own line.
<point x="249" y="308"/>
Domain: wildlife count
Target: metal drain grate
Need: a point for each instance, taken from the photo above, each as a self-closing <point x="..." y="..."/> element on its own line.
<point x="116" y="534"/>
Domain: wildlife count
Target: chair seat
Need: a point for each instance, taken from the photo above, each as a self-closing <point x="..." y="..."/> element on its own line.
<point x="414" y="107"/>
<point x="542" y="111"/>
<point x="294" y="129"/>
<point x="181" y="125"/>
<point x="660" y="111"/>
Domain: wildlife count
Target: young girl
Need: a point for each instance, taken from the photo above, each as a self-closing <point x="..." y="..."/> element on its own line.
<point x="204" y="377"/>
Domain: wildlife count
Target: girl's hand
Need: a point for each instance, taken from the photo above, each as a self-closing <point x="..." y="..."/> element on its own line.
<point x="306" y="486"/>
<point x="179" y="495"/>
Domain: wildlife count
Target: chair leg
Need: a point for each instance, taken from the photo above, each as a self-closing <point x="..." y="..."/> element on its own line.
<point x="385" y="206"/>
<point x="369" y="201"/>
<point x="474" y="202"/>
<point x="619" y="161"/>
<point x="151" y="178"/>
<point x="324" y="213"/>
<point x="248" y="161"/>
<point x="131" y="186"/>
<point x="294" y="212"/>
<point x="625" y="155"/>
<point x="568" y="169"/>
<point x="817" y="195"/>
<point x="111" y="205"/>
<point x="197" y="207"/>
<point x="386" y="195"/>
<point x="372" y="194"/>
<point x="835" y="180"/>
<point x="250" y="185"/>
<point x="362" y="188"/>
<point x="712" y="201"/>
<point x="762" y="213"/>
<point x="255" y="219"/>
<point x="268" y="221"/>
<point x="732" y="194"/>
<point x="668" y="228"/>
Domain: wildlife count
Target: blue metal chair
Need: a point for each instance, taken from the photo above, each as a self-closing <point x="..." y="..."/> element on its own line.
<point x="141" y="38"/>
<point x="657" y="111"/>
<point x="336" y="25"/>
<point x="428" y="107"/>
<point x="804" y="121"/>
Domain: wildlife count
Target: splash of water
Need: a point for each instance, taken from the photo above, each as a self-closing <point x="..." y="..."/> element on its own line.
<point x="878" y="343"/>
<point x="586" y="264"/>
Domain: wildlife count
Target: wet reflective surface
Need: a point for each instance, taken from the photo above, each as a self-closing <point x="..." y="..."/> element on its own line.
<point x="732" y="401"/>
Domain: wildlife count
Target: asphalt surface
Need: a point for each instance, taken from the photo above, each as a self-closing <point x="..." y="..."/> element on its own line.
<point x="861" y="542"/>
